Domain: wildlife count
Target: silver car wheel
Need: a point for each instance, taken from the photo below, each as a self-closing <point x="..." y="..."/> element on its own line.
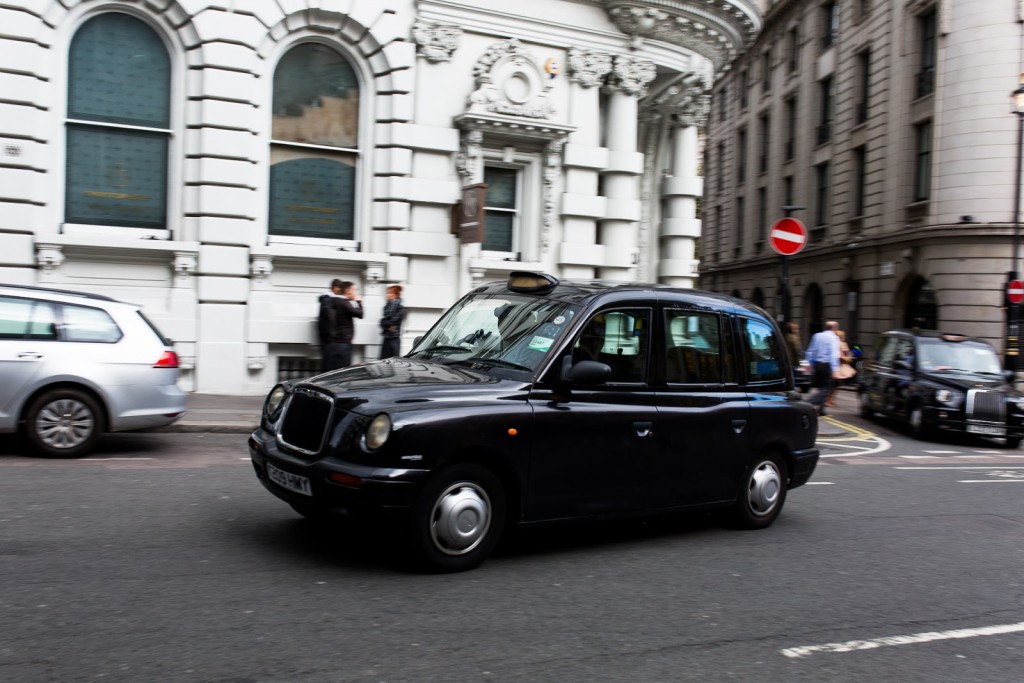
<point x="461" y="518"/>
<point x="764" y="487"/>
<point x="65" y="423"/>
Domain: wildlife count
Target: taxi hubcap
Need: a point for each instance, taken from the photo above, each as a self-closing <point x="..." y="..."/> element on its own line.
<point x="64" y="423"/>
<point x="764" y="489"/>
<point x="461" y="518"/>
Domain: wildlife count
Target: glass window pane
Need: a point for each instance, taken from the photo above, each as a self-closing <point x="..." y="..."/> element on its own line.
<point x="119" y="72"/>
<point x="501" y="187"/>
<point x="84" y="324"/>
<point x="116" y="177"/>
<point x="692" y="348"/>
<point x="498" y="227"/>
<point x="619" y="339"/>
<point x="762" y="350"/>
<point x="312" y="194"/>
<point x="15" y="315"/>
<point x="316" y="98"/>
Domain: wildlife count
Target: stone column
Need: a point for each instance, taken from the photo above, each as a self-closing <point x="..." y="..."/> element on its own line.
<point x="580" y="252"/>
<point x="470" y="165"/>
<point x="680" y="227"/>
<point x="618" y="230"/>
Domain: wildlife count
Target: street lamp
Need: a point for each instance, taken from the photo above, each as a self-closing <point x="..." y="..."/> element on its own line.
<point x="1013" y="309"/>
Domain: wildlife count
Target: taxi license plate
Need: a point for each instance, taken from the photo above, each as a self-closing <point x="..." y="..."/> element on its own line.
<point x="292" y="482"/>
<point x="988" y="430"/>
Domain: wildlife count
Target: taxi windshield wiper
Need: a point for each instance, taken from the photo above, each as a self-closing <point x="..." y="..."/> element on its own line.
<point x="496" y="361"/>
<point x="442" y="347"/>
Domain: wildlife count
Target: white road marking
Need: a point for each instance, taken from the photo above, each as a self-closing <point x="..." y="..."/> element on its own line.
<point x="990" y="481"/>
<point x="918" y="457"/>
<point x="931" y="636"/>
<point x="968" y="457"/>
<point x="965" y="467"/>
<point x="820" y="483"/>
<point x="99" y="459"/>
<point x="942" y="452"/>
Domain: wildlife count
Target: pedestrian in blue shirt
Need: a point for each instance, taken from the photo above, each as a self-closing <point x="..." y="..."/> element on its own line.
<point x="824" y="356"/>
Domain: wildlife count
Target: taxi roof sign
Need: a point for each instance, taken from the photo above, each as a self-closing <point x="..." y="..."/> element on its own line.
<point x="523" y="281"/>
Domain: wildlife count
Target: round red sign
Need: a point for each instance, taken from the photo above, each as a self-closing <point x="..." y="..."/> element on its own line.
<point x="787" y="236"/>
<point x="1015" y="291"/>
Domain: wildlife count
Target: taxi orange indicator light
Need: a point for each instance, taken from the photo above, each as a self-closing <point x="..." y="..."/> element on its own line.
<point x="345" y="479"/>
<point x="512" y="431"/>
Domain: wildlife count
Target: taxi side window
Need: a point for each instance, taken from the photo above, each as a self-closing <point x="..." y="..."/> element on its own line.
<point x="619" y="339"/>
<point x="762" y="351"/>
<point x="692" y="348"/>
<point x="887" y="350"/>
<point x="26" y="319"/>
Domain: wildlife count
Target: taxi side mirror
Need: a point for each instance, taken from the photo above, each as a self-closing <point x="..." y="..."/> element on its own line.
<point x="588" y="373"/>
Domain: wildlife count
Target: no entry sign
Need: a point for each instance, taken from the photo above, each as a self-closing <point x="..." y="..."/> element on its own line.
<point x="787" y="236"/>
<point x="1015" y="291"/>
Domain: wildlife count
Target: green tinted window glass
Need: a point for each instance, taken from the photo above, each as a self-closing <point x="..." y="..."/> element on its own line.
<point x="119" y="72"/>
<point x="312" y="195"/>
<point x="498" y="231"/>
<point x="501" y="187"/>
<point x="316" y="98"/>
<point x="116" y="177"/>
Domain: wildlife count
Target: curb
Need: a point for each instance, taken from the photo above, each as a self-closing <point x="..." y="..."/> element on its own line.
<point x="211" y="428"/>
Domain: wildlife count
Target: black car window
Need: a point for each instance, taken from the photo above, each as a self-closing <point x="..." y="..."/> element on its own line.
<point x="762" y="351"/>
<point x="620" y="339"/>
<point x="26" y="319"/>
<point x="886" y="350"/>
<point x="692" y="347"/>
<point x="87" y="324"/>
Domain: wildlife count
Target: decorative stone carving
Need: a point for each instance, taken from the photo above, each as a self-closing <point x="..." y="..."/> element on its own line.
<point x="436" y="42"/>
<point x="256" y="363"/>
<point x="694" y="112"/>
<point x="374" y="272"/>
<point x="510" y="81"/>
<point x="186" y="362"/>
<point x="552" y="174"/>
<point x="469" y="162"/>
<point x="717" y="29"/>
<point x="589" y="67"/>
<point x="631" y="75"/>
<point x="49" y="257"/>
<point x="184" y="266"/>
<point x="261" y="267"/>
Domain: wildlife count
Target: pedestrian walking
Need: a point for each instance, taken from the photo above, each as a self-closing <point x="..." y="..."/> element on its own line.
<point x="391" y="323"/>
<point x="343" y="308"/>
<point x="823" y="355"/>
<point x="846" y="369"/>
<point x="323" y="321"/>
<point x="793" y="344"/>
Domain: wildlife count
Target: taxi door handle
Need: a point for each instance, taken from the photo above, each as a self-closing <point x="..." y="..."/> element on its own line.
<point x="739" y="425"/>
<point x="644" y="429"/>
<point x="30" y="354"/>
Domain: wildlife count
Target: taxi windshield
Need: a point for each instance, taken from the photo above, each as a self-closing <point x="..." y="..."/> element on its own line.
<point x="942" y="356"/>
<point x="505" y="331"/>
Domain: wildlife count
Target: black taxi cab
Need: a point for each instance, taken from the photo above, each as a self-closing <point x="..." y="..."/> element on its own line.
<point x="535" y="400"/>
<point x="940" y="382"/>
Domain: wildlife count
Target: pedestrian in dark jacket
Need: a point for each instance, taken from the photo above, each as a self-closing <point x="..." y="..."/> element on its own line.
<point x="323" y="322"/>
<point x="391" y="323"/>
<point x="343" y="308"/>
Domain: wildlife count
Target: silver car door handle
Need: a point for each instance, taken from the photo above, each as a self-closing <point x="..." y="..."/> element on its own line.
<point x="739" y="425"/>
<point x="643" y="429"/>
<point x="30" y="354"/>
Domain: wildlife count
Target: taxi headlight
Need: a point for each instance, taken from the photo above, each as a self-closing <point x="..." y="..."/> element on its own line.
<point x="275" y="400"/>
<point x="377" y="432"/>
<point x="948" y="397"/>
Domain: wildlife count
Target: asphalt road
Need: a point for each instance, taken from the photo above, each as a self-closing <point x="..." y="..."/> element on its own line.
<point x="162" y="558"/>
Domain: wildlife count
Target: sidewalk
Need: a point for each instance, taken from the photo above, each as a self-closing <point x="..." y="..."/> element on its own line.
<point x="241" y="414"/>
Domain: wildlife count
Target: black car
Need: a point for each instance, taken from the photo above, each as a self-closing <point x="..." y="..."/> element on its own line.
<point x="533" y="400"/>
<point x="941" y="382"/>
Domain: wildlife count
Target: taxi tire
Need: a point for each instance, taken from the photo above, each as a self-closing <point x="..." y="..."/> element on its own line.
<point x="457" y="519"/>
<point x="865" y="406"/>
<point x="762" y="493"/>
<point x="918" y="429"/>
<point x="1013" y="442"/>
<point x="86" y="412"/>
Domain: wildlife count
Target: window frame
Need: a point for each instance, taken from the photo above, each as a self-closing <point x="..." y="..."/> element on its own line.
<point x="923" y="133"/>
<point x="529" y="198"/>
<point x="362" y="191"/>
<point x="174" y="182"/>
<point x="821" y="194"/>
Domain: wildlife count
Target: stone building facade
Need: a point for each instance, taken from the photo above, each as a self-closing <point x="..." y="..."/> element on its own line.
<point x="889" y="122"/>
<point x="220" y="161"/>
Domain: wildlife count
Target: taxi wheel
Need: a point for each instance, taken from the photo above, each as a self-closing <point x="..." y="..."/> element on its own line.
<point x="63" y="423"/>
<point x="918" y="429"/>
<point x="762" y="494"/>
<point x="457" y="519"/>
<point x="1013" y="442"/>
<point x="865" y="406"/>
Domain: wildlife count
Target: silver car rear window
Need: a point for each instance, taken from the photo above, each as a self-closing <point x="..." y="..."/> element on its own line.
<point x="87" y="324"/>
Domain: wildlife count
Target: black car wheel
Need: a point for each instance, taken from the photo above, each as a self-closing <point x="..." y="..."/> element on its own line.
<point x="457" y="519"/>
<point x="918" y="429"/>
<point x="63" y="423"/>
<point x="865" y="406"/>
<point x="762" y="494"/>
<point x="1013" y="442"/>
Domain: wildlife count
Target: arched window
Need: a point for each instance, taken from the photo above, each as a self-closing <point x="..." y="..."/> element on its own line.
<point x="314" y="155"/>
<point x="118" y="124"/>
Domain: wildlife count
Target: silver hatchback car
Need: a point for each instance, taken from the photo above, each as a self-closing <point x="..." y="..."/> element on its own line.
<point x="75" y="365"/>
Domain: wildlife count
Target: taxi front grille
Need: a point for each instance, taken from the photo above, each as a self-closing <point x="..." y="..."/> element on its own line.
<point x="306" y="419"/>
<point x="987" y="406"/>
